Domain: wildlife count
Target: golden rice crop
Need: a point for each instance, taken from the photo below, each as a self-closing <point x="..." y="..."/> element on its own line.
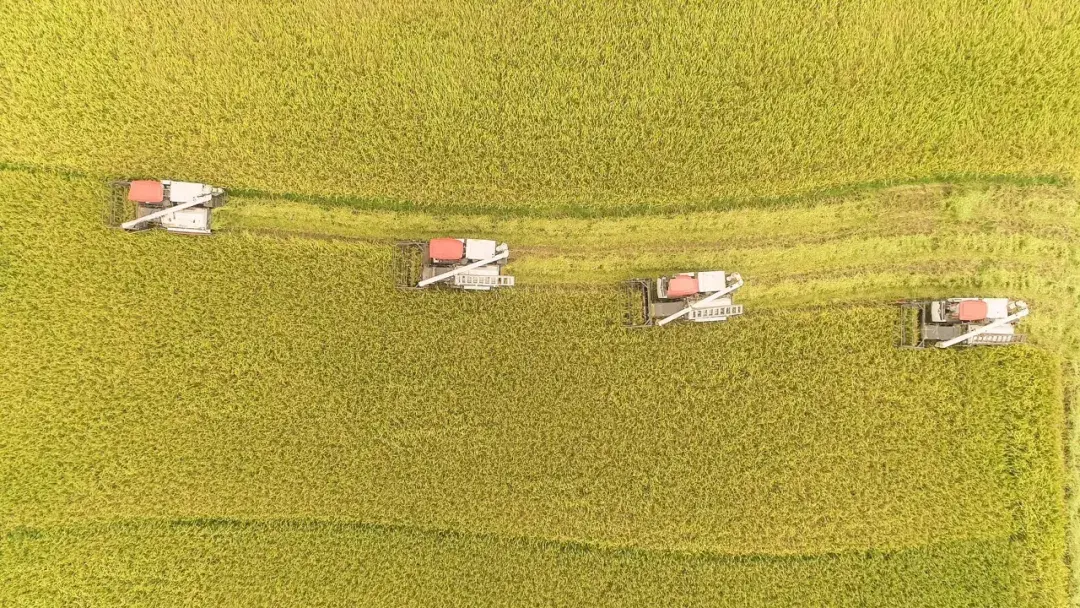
<point x="246" y="377"/>
<point x="259" y="418"/>
<point x="571" y="107"/>
<point x="236" y="563"/>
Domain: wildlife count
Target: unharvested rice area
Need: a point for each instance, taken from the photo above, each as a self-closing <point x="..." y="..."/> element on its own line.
<point x="251" y="377"/>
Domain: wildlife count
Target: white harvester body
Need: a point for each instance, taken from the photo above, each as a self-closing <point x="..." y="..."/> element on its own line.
<point x="195" y="220"/>
<point x="183" y="207"/>
<point x="699" y="297"/>
<point x="962" y="322"/>
<point x="468" y="264"/>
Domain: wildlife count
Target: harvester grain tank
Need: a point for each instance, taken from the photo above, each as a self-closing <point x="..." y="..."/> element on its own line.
<point x="699" y="297"/>
<point x="183" y="207"/>
<point x="469" y="264"/>
<point x="961" y="322"/>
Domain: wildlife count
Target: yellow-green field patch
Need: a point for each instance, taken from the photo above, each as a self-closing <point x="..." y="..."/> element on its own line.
<point x="238" y="563"/>
<point x="578" y="107"/>
<point x="254" y="377"/>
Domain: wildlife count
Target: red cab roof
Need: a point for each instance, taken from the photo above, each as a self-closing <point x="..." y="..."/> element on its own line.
<point x="446" y="249"/>
<point x="682" y="286"/>
<point x="971" y="310"/>
<point x="146" y="191"/>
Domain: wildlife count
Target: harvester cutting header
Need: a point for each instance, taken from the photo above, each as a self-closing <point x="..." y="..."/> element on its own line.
<point x="700" y="297"/>
<point x="961" y="322"/>
<point x="470" y="264"/>
<point x="175" y="206"/>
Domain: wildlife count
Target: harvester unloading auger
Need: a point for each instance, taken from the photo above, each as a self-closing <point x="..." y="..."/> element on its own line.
<point x="175" y="206"/>
<point x="961" y="322"/>
<point x="700" y="297"/>
<point x="470" y="264"/>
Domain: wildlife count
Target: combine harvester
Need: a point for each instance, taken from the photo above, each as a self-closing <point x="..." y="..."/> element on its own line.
<point x="182" y="207"/>
<point x="470" y="264"/>
<point x="961" y="322"/>
<point x="700" y="297"/>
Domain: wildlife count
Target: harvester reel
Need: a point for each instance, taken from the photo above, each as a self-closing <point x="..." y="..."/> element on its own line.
<point x="408" y="264"/>
<point x="908" y="324"/>
<point x="118" y="209"/>
<point x="636" y="294"/>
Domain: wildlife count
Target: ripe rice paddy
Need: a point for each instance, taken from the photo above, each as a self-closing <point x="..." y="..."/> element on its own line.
<point x="580" y="107"/>
<point x="256" y="387"/>
<point x="259" y="418"/>
<point x="232" y="563"/>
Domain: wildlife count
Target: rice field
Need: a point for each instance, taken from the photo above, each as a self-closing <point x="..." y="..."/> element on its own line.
<point x="576" y="107"/>
<point x="259" y="418"/>
<point x="231" y="563"/>
<point x="265" y="389"/>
